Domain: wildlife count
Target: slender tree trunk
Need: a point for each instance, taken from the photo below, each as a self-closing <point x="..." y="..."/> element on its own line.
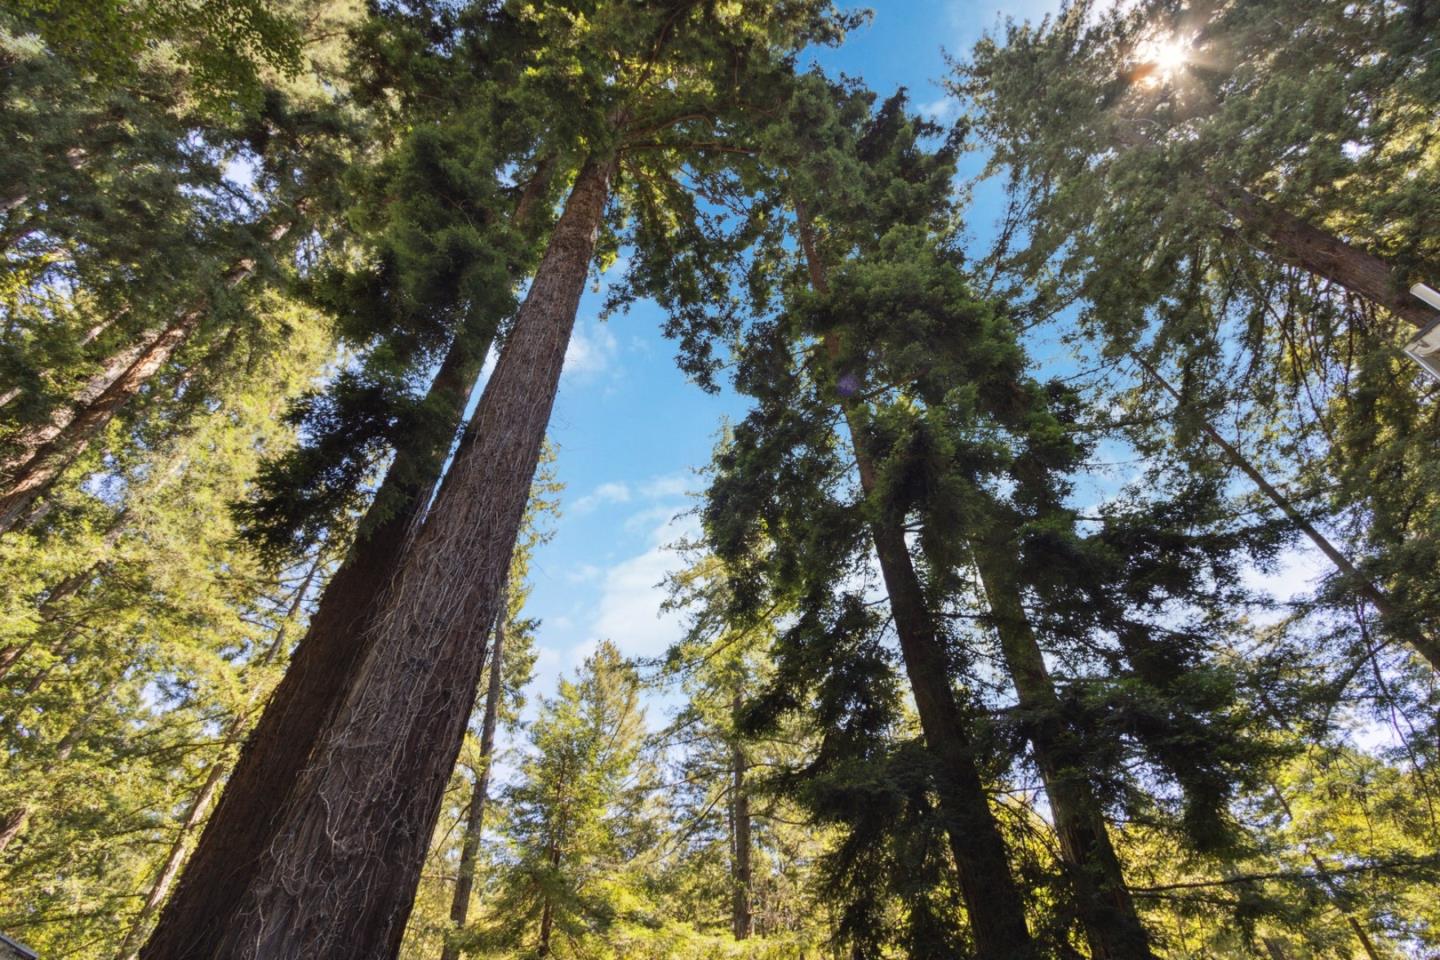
<point x="742" y="920"/>
<point x="338" y="878"/>
<point x="994" y="902"/>
<point x="322" y="669"/>
<point x="1426" y="644"/>
<point x="22" y="448"/>
<point x="547" y="910"/>
<point x="1328" y="880"/>
<point x="46" y="453"/>
<point x="214" y="777"/>
<point x="475" y="816"/>
<point x="1112" y="926"/>
<point x="1299" y="243"/>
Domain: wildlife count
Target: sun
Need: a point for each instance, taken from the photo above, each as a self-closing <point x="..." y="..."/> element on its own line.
<point x="1164" y="57"/>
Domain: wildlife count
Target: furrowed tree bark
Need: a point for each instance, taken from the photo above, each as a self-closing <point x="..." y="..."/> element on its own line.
<point x="475" y="816"/>
<point x="1426" y="645"/>
<point x="214" y="777"/>
<point x="67" y="436"/>
<point x="992" y="899"/>
<point x="1301" y="244"/>
<point x="321" y="669"/>
<point x="1112" y="926"/>
<point x="339" y="876"/>
<point x="742" y="919"/>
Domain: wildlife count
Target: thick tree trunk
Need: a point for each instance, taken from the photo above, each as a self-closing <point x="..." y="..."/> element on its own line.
<point x="321" y="670"/>
<point x="1112" y="926"/>
<point x="1425" y="644"/>
<point x="1301" y="244"/>
<point x="742" y="920"/>
<point x="63" y="440"/>
<point x="475" y="816"/>
<point x="129" y="947"/>
<point x="338" y="878"/>
<point x="214" y="777"/>
<point x="992" y="899"/>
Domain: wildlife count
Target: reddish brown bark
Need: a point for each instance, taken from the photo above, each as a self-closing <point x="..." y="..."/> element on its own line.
<point x="1298" y="242"/>
<point x="338" y="877"/>
<point x="992" y="899"/>
<point x="322" y="668"/>
<point x="46" y="452"/>
<point x="214" y="777"/>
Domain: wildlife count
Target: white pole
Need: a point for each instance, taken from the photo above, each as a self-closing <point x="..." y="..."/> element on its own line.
<point x="1428" y="295"/>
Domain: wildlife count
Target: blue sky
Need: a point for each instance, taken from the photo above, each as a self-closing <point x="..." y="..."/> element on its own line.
<point x="630" y="431"/>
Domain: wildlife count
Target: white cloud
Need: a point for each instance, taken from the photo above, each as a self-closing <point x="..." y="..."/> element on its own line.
<point x="592" y="350"/>
<point x="583" y="574"/>
<point x="940" y="110"/>
<point x="647" y="519"/>
<point x="667" y="485"/>
<point x="605" y="493"/>
<point x="628" y="613"/>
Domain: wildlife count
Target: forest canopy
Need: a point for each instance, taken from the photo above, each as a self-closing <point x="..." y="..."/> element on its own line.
<point x="719" y="478"/>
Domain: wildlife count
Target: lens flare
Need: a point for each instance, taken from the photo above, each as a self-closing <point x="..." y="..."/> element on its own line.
<point x="1164" y="57"/>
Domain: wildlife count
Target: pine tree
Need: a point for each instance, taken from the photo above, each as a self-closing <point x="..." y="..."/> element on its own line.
<point x="503" y="441"/>
<point x="1247" y="207"/>
<point x="569" y="811"/>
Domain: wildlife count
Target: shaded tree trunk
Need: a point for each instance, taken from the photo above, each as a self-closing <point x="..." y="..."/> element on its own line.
<point x="338" y="878"/>
<point x="547" y="909"/>
<point x="1112" y="926"/>
<point x="742" y="920"/>
<point x="1426" y="644"/>
<point x="992" y="898"/>
<point x="322" y="669"/>
<point x="1301" y="244"/>
<point x="475" y="816"/>
<point x="214" y="777"/>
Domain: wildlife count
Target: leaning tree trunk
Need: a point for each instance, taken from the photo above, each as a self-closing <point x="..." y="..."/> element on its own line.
<point x="31" y="475"/>
<point x="475" y="816"/>
<point x="991" y="896"/>
<point x="338" y="878"/>
<point x="22" y="447"/>
<point x="321" y="670"/>
<point x="1423" y="642"/>
<point x="1112" y="926"/>
<point x="1301" y="244"/>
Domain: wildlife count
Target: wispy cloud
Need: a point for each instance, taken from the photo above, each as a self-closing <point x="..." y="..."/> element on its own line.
<point x="941" y="110"/>
<point x="592" y="351"/>
<point x="629" y="611"/>
<point x="605" y="493"/>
